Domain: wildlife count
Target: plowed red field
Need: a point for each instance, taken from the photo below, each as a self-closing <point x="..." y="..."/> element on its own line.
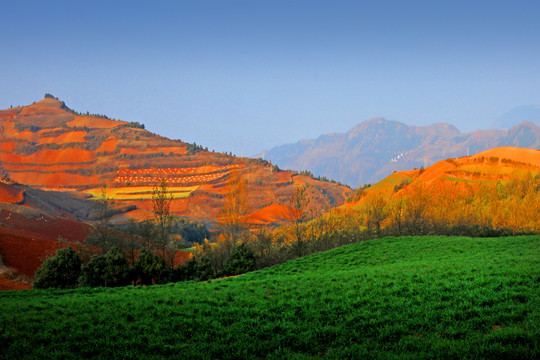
<point x="7" y="284"/>
<point x="9" y="194"/>
<point x="26" y="253"/>
<point x="54" y="179"/>
<point x="50" y="157"/>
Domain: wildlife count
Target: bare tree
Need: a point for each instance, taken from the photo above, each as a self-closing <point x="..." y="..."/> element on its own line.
<point x="396" y="215"/>
<point x="102" y="235"/>
<point x="133" y="240"/>
<point x="415" y="211"/>
<point x="161" y="200"/>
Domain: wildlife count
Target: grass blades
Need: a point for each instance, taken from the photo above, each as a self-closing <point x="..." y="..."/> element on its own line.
<point x="394" y="298"/>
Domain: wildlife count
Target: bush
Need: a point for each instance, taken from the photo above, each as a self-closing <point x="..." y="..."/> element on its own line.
<point x="203" y="269"/>
<point x="117" y="269"/>
<point x="242" y="260"/>
<point x="94" y="273"/>
<point x="110" y="269"/>
<point x="147" y="268"/>
<point x="195" y="269"/>
<point x="190" y="231"/>
<point x="59" y="271"/>
<point x="186" y="272"/>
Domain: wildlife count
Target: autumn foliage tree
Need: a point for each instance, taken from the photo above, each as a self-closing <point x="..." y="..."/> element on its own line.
<point x="231" y="223"/>
<point x="415" y="210"/>
<point x="375" y="213"/>
<point x="234" y="208"/>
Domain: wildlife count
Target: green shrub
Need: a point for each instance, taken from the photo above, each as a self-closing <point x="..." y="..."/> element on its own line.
<point x="190" y="231"/>
<point x="110" y="270"/>
<point x="93" y="274"/>
<point x="59" y="271"/>
<point x="117" y="269"/>
<point x="147" y="268"/>
<point x="242" y="260"/>
<point x="186" y="272"/>
<point x="203" y="269"/>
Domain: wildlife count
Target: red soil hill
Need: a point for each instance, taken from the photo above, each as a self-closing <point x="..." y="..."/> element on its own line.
<point x="47" y="145"/>
<point x="451" y="176"/>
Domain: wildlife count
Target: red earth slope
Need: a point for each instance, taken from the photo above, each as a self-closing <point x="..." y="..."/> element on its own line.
<point x="449" y="176"/>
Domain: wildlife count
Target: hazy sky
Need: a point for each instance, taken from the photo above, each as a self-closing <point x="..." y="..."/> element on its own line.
<point x="244" y="76"/>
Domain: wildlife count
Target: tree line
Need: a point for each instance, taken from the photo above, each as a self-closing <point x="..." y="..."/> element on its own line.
<point x="67" y="269"/>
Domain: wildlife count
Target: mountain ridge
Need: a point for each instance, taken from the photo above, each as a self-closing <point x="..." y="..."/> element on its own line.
<point x="377" y="147"/>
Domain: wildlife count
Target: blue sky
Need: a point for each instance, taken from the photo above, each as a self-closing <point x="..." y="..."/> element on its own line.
<point x="244" y="76"/>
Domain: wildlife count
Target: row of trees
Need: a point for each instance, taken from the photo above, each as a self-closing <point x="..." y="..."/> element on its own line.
<point x="67" y="269"/>
<point x="467" y="209"/>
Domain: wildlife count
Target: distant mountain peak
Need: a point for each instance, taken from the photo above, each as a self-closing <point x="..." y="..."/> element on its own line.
<point x="445" y="126"/>
<point x="518" y="115"/>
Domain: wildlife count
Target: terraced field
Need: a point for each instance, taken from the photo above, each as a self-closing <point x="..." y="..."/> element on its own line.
<point x="191" y="175"/>
<point x="142" y="192"/>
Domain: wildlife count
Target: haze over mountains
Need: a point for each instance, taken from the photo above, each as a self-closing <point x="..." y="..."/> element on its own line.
<point x="377" y="147"/>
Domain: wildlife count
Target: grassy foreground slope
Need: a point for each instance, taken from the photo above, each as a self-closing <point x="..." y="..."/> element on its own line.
<point x="409" y="297"/>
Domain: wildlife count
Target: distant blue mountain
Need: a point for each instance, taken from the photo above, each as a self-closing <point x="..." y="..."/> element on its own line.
<point x="375" y="148"/>
<point x="516" y="116"/>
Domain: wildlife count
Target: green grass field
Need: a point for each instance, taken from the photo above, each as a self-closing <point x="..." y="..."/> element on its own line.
<point x="394" y="298"/>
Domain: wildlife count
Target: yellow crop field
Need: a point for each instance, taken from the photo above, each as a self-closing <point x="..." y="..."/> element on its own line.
<point x="141" y="192"/>
<point x="389" y="182"/>
<point x="499" y="170"/>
